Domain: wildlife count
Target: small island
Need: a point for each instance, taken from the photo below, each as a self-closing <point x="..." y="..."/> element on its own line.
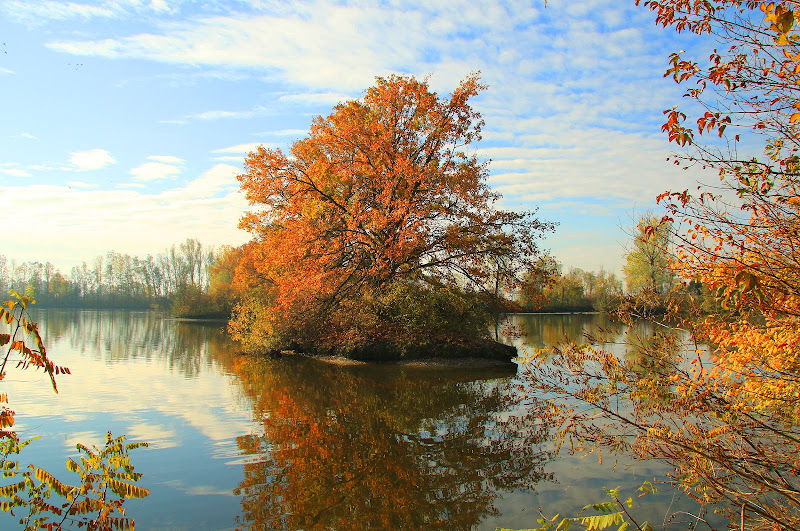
<point x="378" y="238"/>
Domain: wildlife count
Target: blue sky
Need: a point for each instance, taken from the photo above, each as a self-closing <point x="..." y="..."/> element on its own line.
<point x="125" y="122"/>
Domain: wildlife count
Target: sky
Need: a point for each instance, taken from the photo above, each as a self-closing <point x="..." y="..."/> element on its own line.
<point x="125" y="122"/>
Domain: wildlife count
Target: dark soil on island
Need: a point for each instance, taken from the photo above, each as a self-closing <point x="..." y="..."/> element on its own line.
<point x="442" y="347"/>
<point x="431" y="351"/>
<point x="472" y="363"/>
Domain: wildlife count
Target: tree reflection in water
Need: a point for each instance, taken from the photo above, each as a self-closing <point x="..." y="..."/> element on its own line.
<point x="381" y="447"/>
<point x="545" y="330"/>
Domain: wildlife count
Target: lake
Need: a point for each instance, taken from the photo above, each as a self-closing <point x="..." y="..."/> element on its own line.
<point x="293" y="443"/>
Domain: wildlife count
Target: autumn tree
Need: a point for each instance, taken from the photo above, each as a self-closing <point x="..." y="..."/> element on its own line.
<point x="718" y="399"/>
<point x="647" y="263"/>
<point x="381" y="196"/>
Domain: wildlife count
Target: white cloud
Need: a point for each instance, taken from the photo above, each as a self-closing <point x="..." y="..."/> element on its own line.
<point x="217" y="115"/>
<point x="159" y="6"/>
<point x="6" y="71"/>
<point x="93" y="159"/>
<point x="153" y="171"/>
<point x="39" y="11"/>
<point x="230" y="115"/>
<point x="242" y="148"/>
<point x="319" y="98"/>
<point x="284" y="132"/>
<point x="220" y="178"/>
<point x="106" y="47"/>
<point x="15" y="172"/>
<point x="318" y="45"/>
<point x="166" y="159"/>
<point x="81" y="184"/>
<point x="33" y="10"/>
<point x="134" y="221"/>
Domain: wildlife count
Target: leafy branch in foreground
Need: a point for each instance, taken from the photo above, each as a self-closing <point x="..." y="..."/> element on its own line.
<point x="107" y="476"/>
<point x="609" y="513"/>
<point x="718" y="399"/>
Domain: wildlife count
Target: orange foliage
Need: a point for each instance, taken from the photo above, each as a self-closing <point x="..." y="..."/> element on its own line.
<point x="721" y="402"/>
<point x="380" y="447"/>
<point x="742" y="243"/>
<point x="380" y="191"/>
<point x="752" y="80"/>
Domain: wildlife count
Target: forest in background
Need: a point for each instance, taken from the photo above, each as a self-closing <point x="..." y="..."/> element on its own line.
<point x="191" y="279"/>
<point x="116" y="280"/>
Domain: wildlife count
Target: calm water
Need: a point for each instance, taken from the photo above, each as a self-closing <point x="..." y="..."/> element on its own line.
<point x="238" y="442"/>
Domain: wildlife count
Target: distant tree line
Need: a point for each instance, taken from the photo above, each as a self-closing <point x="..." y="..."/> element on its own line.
<point x="193" y="280"/>
<point x="648" y="278"/>
<point x="575" y="290"/>
<point x="116" y="280"/>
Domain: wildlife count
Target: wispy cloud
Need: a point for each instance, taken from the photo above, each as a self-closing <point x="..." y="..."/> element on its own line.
<point x="133" y="220"/>
<point x="386" y="38"/>
<point x="316" y="98"/>
<point x="243" y="148"/>
<point x="166" y="159"/>
<point x="39" y="11"/>
<point x="33" y="10"/>
<point x="15" y="172"/>
<point x="220" y="178"/>
<point x="160" y="6"/>
<point x="218" y="115"/>
<point x="257" y="110"/>
<point x="285" y="132"/>
<point x="93" y="159"/>
<point x="153" y="171"/>
<point x="81" y="184"/>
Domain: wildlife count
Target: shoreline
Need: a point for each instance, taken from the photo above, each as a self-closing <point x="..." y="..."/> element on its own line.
<point x="471" y="363"/>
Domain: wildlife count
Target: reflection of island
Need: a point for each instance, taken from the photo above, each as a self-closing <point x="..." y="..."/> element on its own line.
<point x="380" y="447"/>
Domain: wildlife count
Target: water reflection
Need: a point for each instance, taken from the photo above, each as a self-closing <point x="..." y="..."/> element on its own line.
<point x="653" y="350"/>
<point x="633" y="342"/>
<point x="295" y="444"/>
<point x="544" y="330"/>
<point x="380" y="447"/>
<point x="117" y="335"/>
